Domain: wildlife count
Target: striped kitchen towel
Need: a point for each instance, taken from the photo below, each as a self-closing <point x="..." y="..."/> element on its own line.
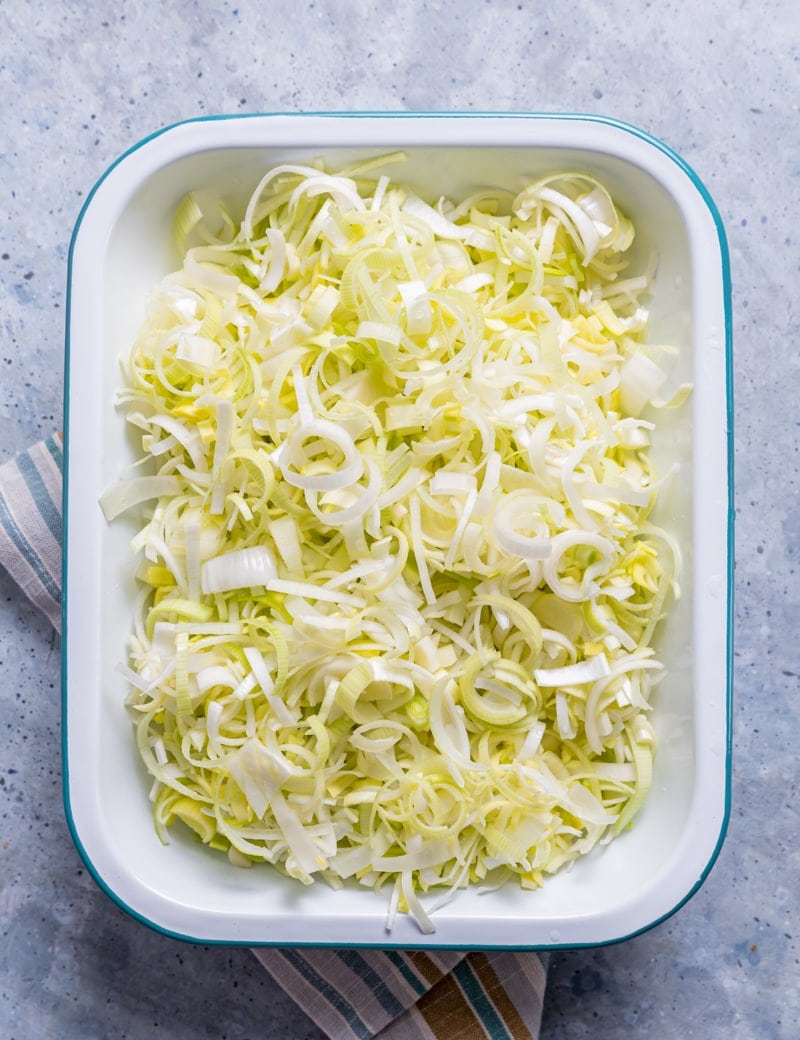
<point x="414" y="995"/>
<point x="30" y="524"/>
<point x="349" y="994"/>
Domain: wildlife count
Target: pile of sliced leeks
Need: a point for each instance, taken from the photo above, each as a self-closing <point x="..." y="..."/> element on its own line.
<point x="398" y="581"/>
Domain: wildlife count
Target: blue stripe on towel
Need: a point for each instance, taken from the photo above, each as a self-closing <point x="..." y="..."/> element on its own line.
<point x="481" y="1004"/>
<point x="334" y="998"/>
<point x="40" y="495"/>
<point x="356" y="962"/>
<point x="54" y="446"/>
<point x="26" y="551"/>
<point x="401" y="963"/>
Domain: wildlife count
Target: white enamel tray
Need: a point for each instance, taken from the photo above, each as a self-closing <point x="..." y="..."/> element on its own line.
<point x="121" y="247"/>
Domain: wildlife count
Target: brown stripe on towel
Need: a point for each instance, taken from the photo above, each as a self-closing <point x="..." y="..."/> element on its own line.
<point x="448" y="1014"/>
<point x="496" y="992"/>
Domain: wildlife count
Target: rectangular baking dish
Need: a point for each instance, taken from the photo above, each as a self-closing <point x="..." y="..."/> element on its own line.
<point x="121" y="247"/>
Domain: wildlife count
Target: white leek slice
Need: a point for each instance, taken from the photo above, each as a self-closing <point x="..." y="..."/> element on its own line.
<point x="588" y="670"/>
<point x="239" y="569"/>
<point x="124" y="495"/>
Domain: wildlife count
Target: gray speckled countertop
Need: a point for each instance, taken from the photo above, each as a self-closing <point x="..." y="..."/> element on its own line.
<point x="719" y="83"/>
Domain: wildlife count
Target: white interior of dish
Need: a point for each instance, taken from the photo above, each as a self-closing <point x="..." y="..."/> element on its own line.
<point x="122" y="247"/>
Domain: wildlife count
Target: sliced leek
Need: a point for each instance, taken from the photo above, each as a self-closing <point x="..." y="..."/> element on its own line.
<point x="400" y="581"/>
